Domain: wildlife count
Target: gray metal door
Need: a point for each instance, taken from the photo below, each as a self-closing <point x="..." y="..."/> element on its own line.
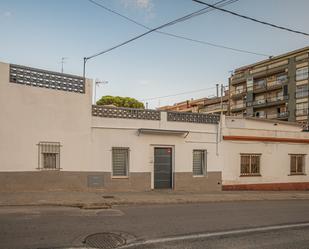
<point x="162" y="168"/>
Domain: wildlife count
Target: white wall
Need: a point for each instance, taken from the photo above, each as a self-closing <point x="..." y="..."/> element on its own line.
<point x="111" y="132"/>
<point x="33" y="114"/>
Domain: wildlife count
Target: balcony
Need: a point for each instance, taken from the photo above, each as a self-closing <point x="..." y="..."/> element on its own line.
<point x="268" y="85"/>
<point x="274" y="115"/>
<point x="214" y="108"/>
<point x="301" y="112"/>
<point x="238" y="107"/>
<point x="269" y="101"/>
<point x="238" y="93"/>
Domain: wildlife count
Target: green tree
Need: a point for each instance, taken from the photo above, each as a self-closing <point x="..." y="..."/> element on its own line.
<point x="120" y="102"/>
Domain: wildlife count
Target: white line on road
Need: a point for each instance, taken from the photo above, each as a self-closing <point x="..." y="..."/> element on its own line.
<point x="214" y="234"/>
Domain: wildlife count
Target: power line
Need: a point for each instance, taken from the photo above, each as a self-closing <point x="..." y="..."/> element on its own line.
<point x="253" y="19"/>
<point x="177" y="94"/>
<point x="220" y="3"/>
<point x="181" y="19"/>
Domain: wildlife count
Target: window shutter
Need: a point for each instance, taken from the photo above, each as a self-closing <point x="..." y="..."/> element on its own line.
<point x="120" y="161"/>
<point x="199" y="162"/>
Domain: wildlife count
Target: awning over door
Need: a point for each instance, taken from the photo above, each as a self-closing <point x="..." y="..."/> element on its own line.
<point x="163" y="132"/>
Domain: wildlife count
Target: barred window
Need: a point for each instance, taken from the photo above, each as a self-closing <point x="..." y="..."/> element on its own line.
<point x="49" y="155"/>
<point x="120" y="161"/>
<point x="250" y="164"/>
<point x="199" y="162"/>
<point x="297" y="164"/>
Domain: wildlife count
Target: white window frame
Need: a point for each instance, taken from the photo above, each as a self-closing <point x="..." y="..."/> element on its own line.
<point x="48" y="148"/>
<point x="204" y="163"/>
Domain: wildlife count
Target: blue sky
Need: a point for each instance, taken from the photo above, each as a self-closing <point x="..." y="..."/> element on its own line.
<point x="39" y="32"/>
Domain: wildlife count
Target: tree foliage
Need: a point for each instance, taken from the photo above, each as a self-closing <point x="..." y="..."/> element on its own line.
<point x="120" y="102"/>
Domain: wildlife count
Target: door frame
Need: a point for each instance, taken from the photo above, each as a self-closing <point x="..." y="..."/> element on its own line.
<point x="152" y="153"/>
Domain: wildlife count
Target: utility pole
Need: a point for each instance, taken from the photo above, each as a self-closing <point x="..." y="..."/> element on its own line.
<point x="222" y="90"/>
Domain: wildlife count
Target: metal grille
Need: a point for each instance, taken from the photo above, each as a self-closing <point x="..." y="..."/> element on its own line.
<point x="120" y="161"/>
<point x="199" y="162"/>
<point x="250" y="164"/>
<point x="128" y="113"/>
<point x="49" y="155"/>
<point x="105" y="240"/>
<point x="47" y="79"/>
<point x="297" y="164"/>
<point x="193" y="117"/>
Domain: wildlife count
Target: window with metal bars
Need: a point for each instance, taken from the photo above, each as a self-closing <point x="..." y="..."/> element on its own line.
<point x="199" y="162"/>
<point x="49" y="155"/>
<point x="297" y="166"/>
<point x="120" y="162"/>
<point x="250" y="164"/>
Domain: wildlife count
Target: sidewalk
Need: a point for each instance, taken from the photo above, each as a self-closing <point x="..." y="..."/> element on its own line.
<point x="106" y="200"/>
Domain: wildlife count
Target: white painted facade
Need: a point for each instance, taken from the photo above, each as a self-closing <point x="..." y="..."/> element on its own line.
<point x="30" y="115"/>
<point x="275" y="156"/>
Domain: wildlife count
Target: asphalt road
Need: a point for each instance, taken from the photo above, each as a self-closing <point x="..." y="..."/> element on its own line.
<point x="51" y="227"/>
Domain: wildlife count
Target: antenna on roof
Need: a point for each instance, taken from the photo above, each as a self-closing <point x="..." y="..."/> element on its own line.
<point x="62" y="62"/>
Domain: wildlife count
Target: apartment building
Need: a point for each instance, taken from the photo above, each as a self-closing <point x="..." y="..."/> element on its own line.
<point x="203" y="105"/>
<point x="276" y="88"/>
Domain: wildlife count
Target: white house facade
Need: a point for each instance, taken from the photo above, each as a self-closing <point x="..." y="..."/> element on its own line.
<point x="52" y="138"/>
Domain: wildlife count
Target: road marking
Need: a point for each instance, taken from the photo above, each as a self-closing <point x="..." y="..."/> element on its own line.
<point x="215" y="234"/>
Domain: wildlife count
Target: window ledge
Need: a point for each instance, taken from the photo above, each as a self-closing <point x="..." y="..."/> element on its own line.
<point x="199" y="176"/>
<point x="120" y="177"/>
<point x="297" y="174"/>
<point x="253" y="175"/>
<point x="45" y="169"/>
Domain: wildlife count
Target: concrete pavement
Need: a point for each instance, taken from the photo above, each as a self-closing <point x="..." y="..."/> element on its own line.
<point x="106" y="200"/>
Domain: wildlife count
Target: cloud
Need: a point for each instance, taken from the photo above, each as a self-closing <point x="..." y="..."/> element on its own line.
<point x="7" y="13"/>
<point x="144" y="82"/>
<point x="140" y="4"/>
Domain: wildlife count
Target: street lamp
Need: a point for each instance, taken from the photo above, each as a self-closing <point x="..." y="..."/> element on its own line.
<point x="98" y="83"/>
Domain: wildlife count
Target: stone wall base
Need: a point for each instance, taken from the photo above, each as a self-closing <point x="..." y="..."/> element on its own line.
<point x="185" y="181"/>
<point x="91" y="181"/>
<point x="269" y="186"/>
<point x="71" y="181"/>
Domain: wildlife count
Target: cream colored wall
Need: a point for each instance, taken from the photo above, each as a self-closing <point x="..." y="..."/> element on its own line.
<point x="274" y="165"/>
<point x="32" y="114"/>
<point x="275" y="159"/>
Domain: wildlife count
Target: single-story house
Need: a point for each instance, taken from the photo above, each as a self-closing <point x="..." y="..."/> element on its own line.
<point x="52" y="138"/>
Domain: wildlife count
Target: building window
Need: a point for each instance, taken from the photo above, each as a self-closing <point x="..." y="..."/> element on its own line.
<point x="297" y="164"/>
<point x="302" y="73"/>
<point x="302" y="91"/>
<point x="199" y="162"/>
<point x="120" y="161"/>
<point x="250" y="164"/>
<point x="49" y="155"/>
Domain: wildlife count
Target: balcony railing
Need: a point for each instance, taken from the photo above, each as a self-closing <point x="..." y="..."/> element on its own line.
<point x="238" y="106"/>
<point x="266" y="101"/>
<point x="277" y="115"/>
<point x="270" y="84"/>
<point x="301" y="112"/>
<point x="213" y="108"/>
<point x="274" y="115"/>
<point x="237" y="92"/>
<point x="259" y="102"/>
